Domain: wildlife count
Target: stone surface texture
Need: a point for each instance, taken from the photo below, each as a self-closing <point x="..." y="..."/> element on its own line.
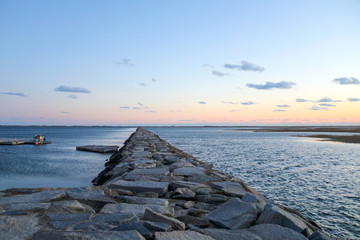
<point x="151" y="190"/>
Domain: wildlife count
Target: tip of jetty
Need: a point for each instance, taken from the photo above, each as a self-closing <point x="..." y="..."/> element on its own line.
<point x="151" y="190"/>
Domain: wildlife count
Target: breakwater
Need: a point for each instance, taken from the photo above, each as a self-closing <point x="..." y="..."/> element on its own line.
<point x="151" y="190"/>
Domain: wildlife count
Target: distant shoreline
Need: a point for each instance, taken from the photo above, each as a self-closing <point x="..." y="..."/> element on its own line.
<point x="336" y="138"/>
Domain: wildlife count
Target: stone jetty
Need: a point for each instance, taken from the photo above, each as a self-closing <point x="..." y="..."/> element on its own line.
<point x="151" y="190"/>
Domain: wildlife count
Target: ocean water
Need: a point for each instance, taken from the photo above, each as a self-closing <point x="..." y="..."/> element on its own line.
<point x="57" y="164"/>
<point x="320" y="179"/>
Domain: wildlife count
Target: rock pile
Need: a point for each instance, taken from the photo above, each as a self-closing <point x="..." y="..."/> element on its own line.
<point x="151" y="190"/>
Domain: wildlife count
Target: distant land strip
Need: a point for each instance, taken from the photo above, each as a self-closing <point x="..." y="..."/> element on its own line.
<point x="336" y="138"/>
<point x="339" y="129"/>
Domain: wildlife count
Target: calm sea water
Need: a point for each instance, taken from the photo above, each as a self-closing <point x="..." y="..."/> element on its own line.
<point x="319" y="179"/>
<point x="57" y="164"/>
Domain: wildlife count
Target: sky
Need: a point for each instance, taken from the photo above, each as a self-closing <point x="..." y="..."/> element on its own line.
<point x="179" y="62"/>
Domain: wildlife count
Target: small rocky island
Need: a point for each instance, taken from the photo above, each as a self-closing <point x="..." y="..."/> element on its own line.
<point x="151" y="190"/>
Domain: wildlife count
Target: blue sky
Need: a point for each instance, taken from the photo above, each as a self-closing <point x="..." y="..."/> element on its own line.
<point x="179" y="62"/>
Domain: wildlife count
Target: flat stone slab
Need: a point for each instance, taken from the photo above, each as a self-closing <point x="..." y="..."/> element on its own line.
<point x="274" y="232"/>
<point x="185" y="184"/>
<point x="189" y="171"/>
<point x="225" y="234"/>
<point x="152" y="174"/>
<point x="88" y="194"/>
<point x="276" y="215"/>
<point x="181" y="235"/>
<point x="44" y="196"/>
<point x="136" y="209"/>
<point x="230" y="188"/>
<point x="88" y="235"/>
<point x="152" y="216"/>
<point x="141" y="186"/>
<point x="18" y="227"/>
<point x="234" y="214"/>
<point x="98" y="148"/>
<point x="144" y="200"/>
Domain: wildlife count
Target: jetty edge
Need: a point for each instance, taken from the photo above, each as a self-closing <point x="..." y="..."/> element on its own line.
<point x="151" y="190"/>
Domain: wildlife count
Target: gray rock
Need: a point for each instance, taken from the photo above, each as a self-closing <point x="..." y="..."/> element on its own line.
<point x="144" y="200"/>
<point x="204" y="191"/>
<point x="276" y="215"/>
<point x="137" y="209"/>
<point x="185" y="184"/>
<point x="190" y="171"/>
<point x="234" y="214"/>
<point x="143" y="163"/>
<point x="196" y="221"/>
<point x="68" y="216"/>
<point x="88" y="235"/>
<point x="62" y="225"/>
<point x="44" y="196"/>
<point x="115" y="218"/>
<point x="141" y="186"/>
<point x="150" y="215"/>
<point x="233" y="189"/>
<point x="225" y="234"/>
<point x="70" y="206"/>
<point x="152" y="174"/>
<point x="181" y="235"/>
<point x="169" y="159"/>
<point x="188" y="204"/>
<point x="157" y="226"/>
<point x="205" y="206"/>
<point x="212" y="198"/>
<point x="203" y="178"/>
<point x="259" y="201"/>
<point x="88" y="194"/>
<point x="317" y="235"/>
<point x="141" y="154"/>
<point x="183" y="193"/>
<point x="93" y="226"/>
<point x="26" y="207"/>
<point x="136" y="227"/>
<point x="18" y="227"/>
<point x="275" y="232"/>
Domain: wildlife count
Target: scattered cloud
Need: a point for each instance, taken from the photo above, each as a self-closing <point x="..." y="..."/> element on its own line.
<point x="19" y="94"/>
<point x="280" y="110"/>
<point x="219" y="74"/>
<point x="154" y="79"/>
<point x="301" y="100"/>
<point x="316" y="108"/>
<point x="151" y="111"/>
<point x="208" y="65"/>
<point x="142" y="84"/>
<point x="327" y="99"/>
<point x="136" y="108"/>
<point x="65" y="112"/>
<point x="353" y="99"/>
<point x="63" y="88"/>
<point x="327" y="105"/>
<point x="248" y="103"/>
<point x="271" y="85"/>
<point x="125" y="107"/>
<point x="283" y="106"/>
<point x="245" y="66"/>
<point x="229" y="103"/>
<point x="126" y="62"/>
<point x="202" y="102"/>
<point x="346" y="80"/>
<point x="72" y="96"/>
<point x="140" y="104"/>
<point x="187" y="120"/>
<point x="234" y="110"/>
